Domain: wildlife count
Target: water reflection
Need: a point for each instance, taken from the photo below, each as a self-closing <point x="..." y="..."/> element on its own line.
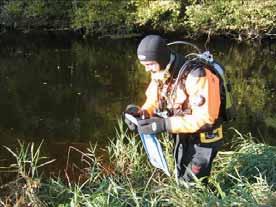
<point x="74" y="91"/>
<point x="63" y="89"/>
<point x="252" y="71"/>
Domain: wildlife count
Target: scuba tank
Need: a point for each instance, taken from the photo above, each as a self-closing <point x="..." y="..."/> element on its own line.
<point x="227" y="110"/>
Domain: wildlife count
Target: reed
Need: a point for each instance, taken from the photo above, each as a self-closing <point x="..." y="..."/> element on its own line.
<point x="244" y="176"/>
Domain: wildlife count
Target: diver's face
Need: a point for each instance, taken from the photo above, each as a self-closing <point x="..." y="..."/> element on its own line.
<point x="151" y="66"/>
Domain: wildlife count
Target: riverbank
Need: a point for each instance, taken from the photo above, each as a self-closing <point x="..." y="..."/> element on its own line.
<point x="240" y="20"/>
<point x="242" y="176"/>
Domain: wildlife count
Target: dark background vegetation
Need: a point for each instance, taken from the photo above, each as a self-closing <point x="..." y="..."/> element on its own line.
<point x="236" y="18"/>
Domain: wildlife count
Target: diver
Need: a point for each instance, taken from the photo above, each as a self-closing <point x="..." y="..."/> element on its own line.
<point x="189" y="99"/>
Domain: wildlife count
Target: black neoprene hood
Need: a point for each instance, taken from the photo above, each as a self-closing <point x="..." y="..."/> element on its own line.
<point x="154" y="48"/>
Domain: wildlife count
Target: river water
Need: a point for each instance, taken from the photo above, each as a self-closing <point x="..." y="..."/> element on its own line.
<point x="70" y="91"/>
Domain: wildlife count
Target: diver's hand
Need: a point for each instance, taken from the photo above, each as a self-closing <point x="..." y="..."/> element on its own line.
<point x="135" y="111"/>
<point x="152" y="125"/>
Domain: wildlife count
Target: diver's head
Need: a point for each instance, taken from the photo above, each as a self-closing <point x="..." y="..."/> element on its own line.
<point x="153" y="53"/>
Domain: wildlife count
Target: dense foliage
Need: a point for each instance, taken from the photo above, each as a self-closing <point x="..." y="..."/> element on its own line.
<point x="36" y="14"/>
<point x="247" y="18"/>
<point x="109" y="17"/>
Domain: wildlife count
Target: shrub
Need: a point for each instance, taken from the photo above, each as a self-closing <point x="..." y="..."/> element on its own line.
<point x="249" y="18"/>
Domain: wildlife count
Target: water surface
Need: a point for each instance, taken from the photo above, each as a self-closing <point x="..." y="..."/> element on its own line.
<point x="69" y="91"/>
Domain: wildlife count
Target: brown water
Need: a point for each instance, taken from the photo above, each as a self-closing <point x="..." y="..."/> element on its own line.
<point x="67" y="91"/>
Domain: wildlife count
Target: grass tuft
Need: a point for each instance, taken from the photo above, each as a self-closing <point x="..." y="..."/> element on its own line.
<point x="244" y="176"/>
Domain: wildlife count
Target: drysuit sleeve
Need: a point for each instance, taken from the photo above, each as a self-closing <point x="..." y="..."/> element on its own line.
<point x="151" y="102"/>
<point x="203" y="91"/>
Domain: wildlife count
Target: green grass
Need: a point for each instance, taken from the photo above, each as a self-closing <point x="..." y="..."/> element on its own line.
<point x="244" y="176"/>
